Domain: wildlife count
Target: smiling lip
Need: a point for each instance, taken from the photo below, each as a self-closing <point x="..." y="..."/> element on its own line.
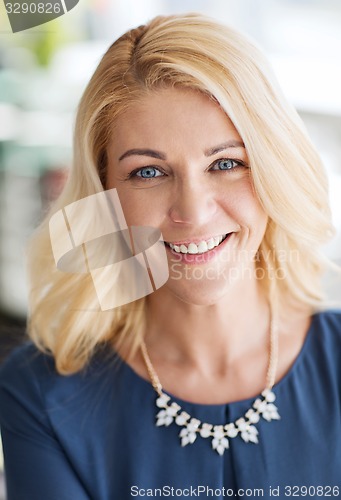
<point x="195" y="240"/>
<point x="198" y="258"/>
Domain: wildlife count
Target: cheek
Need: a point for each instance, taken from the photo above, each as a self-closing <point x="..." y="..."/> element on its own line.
<point x="140" y="208"/>
<point x="257" y="223"/>
<point x="245" y="208"/>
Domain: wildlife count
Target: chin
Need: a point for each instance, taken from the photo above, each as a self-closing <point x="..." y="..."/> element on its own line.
<point x="200" y="292"/>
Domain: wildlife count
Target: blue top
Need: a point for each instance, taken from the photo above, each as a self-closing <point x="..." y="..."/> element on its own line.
<point x="92" y="435"/>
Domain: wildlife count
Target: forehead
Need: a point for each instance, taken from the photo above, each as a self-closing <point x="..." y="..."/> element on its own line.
<point x="173" y="116"/>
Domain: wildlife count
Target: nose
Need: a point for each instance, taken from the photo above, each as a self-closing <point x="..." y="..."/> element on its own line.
<point x="192" y="203"/>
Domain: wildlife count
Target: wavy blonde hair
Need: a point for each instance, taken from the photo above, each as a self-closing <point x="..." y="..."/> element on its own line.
<point x="195" y="52"/>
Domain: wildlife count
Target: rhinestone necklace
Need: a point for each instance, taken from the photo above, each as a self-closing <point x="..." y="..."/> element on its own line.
<point x="263" y="407"/>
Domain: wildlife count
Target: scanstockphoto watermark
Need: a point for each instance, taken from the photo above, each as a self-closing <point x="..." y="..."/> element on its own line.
<point x="208" y="492"/>
<point x="91" y="236"/>
<point x="195" y="491"/>
<point x="24" y="15"/>
<point x="188" y="272"/>
<point x="237" y="255"/>
<point x="241" y="264"/>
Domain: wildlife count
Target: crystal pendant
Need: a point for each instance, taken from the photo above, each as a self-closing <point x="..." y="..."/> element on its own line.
<point x="171" y="412"/>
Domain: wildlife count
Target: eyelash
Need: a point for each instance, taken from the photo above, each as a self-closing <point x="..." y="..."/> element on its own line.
<point x="133" y="173"/>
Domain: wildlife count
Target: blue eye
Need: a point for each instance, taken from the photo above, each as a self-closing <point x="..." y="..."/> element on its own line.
<point x="227" y="164"/>
<point x="148" y="172"/>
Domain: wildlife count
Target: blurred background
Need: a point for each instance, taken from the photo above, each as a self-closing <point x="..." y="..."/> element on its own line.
<point x="44" y="70"/>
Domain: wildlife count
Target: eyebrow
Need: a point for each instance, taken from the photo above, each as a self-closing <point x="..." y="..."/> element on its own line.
<point x="223" y="147"/>
<point x="161" y="156"/>
<point x="143" y="152"/>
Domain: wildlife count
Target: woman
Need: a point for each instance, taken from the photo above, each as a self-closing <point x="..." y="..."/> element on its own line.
<point x="184" y="124"/>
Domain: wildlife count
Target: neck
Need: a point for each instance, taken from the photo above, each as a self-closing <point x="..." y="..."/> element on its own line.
<point x="210" y="337"/>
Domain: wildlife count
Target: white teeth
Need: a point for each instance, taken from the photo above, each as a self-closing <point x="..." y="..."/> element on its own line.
<point x="192" y="248"/>
<point x="210" y="243"/>
<point x="202" y="247"/>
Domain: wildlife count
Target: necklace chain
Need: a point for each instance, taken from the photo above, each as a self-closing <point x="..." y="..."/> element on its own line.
<point x="170" y="411"/>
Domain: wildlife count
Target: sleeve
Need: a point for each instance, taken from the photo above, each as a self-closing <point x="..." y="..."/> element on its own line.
<point x="36" y="466"/>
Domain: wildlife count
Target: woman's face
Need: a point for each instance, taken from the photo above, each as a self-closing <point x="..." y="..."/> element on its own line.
<point x="179" y="165"/>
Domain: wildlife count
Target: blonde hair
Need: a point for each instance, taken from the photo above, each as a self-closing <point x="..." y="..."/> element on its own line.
<point x="195" y="52"/>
